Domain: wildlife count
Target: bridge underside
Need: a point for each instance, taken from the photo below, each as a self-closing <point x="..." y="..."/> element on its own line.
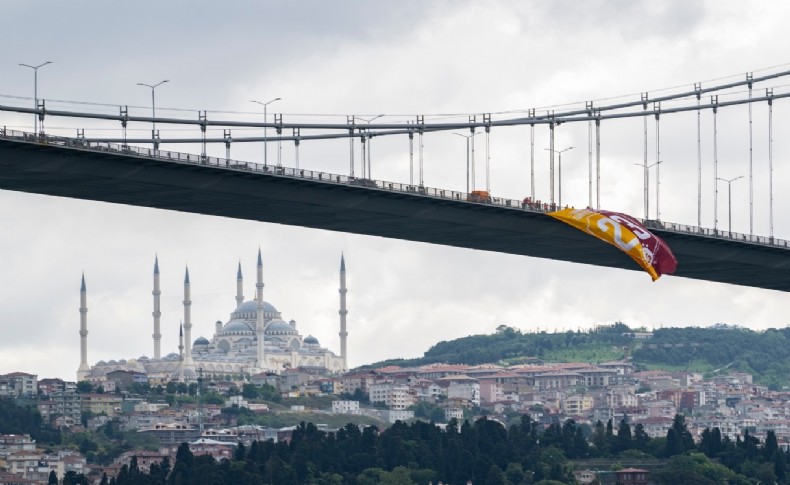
<point x="142" y="181"/>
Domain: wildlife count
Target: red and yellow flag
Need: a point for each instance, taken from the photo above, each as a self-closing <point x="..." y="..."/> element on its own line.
<point x="626" y="233"/>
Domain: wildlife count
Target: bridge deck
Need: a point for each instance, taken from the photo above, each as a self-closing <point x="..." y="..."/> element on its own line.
<point x="134" y="178"/>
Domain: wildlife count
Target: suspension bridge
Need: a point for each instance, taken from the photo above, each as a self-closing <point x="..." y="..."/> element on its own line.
<point x="115" y="169"/>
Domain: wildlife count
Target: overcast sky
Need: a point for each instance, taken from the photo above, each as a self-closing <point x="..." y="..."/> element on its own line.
<point x="366" y="58"/>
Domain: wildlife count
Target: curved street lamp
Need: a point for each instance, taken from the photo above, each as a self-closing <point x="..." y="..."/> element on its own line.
<point x="468" y="137"/>
<point x="153" y="109"/>
<point x="559" y="172"/>
<point x="35" y="90"/>
<point x="729" y="198"/>
<point x="265" y="130"/>
<point x="370" y="138"/>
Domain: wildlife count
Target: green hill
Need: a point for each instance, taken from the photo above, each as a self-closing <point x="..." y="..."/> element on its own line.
<point x="509" y="346"/>
<point x="765" y="354"/>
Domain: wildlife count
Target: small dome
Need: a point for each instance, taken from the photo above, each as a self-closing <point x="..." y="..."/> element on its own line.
<point x="101" y="362"/>
<point x="200" y="341"/>
<point x="143" y="358"/>
<point x="310" y="340"/>
<point x="236" y="326"/>
<point x="171" y="356"/>
<point x="279" y="327"/>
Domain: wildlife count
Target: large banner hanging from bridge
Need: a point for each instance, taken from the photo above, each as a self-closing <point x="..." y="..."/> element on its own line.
<point x="627" y="234"/>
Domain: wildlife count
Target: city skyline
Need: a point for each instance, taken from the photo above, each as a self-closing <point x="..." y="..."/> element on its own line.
<point x="446" y="57"/>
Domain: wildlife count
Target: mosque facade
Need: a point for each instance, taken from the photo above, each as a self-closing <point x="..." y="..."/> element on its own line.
<point x="234" y="349"/>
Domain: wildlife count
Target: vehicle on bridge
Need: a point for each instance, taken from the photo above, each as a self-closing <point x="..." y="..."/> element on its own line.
<point x="363" y="182"/>
<point x="479" y="196"/>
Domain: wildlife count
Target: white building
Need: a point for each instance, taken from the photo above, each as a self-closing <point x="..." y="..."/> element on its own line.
<point x="235" y="347"/>
<point x="345" y="407"/>
<point x="396" y="396"/>
<point x="467" y="390"/>
<point x="393" y="415"/>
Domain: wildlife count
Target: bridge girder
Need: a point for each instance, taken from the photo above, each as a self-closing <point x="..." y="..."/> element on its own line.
<point x="149" y="182"/>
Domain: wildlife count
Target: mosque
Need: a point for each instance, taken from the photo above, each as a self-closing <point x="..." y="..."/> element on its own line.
<point x="255" y="339"/>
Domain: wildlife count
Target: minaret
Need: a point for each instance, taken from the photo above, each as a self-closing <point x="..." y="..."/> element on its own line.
<point x="239" y="287"/>
<point x="84" y="369"/>
<point x="181" y="353"/>
<point x="261" y="356"/>
<point x="157" y="312"/>
<point x="187" y="323"/>
<point x="343" y="312"/>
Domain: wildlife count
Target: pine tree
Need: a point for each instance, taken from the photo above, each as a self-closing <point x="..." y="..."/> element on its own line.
<point x="624" y="438"/>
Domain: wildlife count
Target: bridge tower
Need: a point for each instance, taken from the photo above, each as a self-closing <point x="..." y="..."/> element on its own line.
<point x="84" y="369"/>
<point x="157" y="313"/>
<point x="343" y="312"/>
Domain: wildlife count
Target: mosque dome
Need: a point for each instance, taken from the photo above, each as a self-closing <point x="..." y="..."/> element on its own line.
<point x="236" y="326"/>
<point x="252" y="307"/>
<point x="200" y="341"/>
<point x="310" y="340"/>
<point x="279" y="327"/>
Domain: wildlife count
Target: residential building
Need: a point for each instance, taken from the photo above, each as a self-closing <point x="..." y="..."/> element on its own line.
<point x="171" y="433"/>
<point x="60" y="404"/>
<point x="345" y="407"/>
<point x="396" y="396"/>
<point x="108" y="404"/>
<point x="18" y="384"/>
<point x="577" y="404"/>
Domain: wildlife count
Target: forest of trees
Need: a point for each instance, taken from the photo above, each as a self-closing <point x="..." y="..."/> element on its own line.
<point x="484" y="452"/>
<point x="16" y="419"/>
<point x="509" y="343"/>
<point x="764" y="354"/>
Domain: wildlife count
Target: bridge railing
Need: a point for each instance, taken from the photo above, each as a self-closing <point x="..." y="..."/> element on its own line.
<point x="416" y="190"/>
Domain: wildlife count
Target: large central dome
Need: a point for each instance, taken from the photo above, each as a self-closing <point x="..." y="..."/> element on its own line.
<point x="252" y="307"/>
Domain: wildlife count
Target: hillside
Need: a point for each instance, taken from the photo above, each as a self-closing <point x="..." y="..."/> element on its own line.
<point x="765" y="354"/>
<point x="508" y="345"/>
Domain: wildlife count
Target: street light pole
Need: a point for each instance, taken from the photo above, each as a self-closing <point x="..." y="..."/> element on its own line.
<point x="265" y="129"/>
<point x="729" y="198"/>
<point x="559" y="170"/>
<point x="153" y="109"/>
<point x="646" y="189"/>
<point x="468" y="137"/>
<point x="35" y="91"/>
<point x="370" y="140"/>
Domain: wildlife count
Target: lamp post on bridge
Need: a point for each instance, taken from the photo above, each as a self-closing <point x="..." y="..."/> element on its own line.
<point x="729" y="198"/>
<point x="265" y="129"/>
<point x="370" y="139"/>
<point x="647" y="168"/>
<point x="468" y="138"/>
<point x="153" y="109"/>
<point x="559" y="172"/>
<point x="35" y="91"/>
